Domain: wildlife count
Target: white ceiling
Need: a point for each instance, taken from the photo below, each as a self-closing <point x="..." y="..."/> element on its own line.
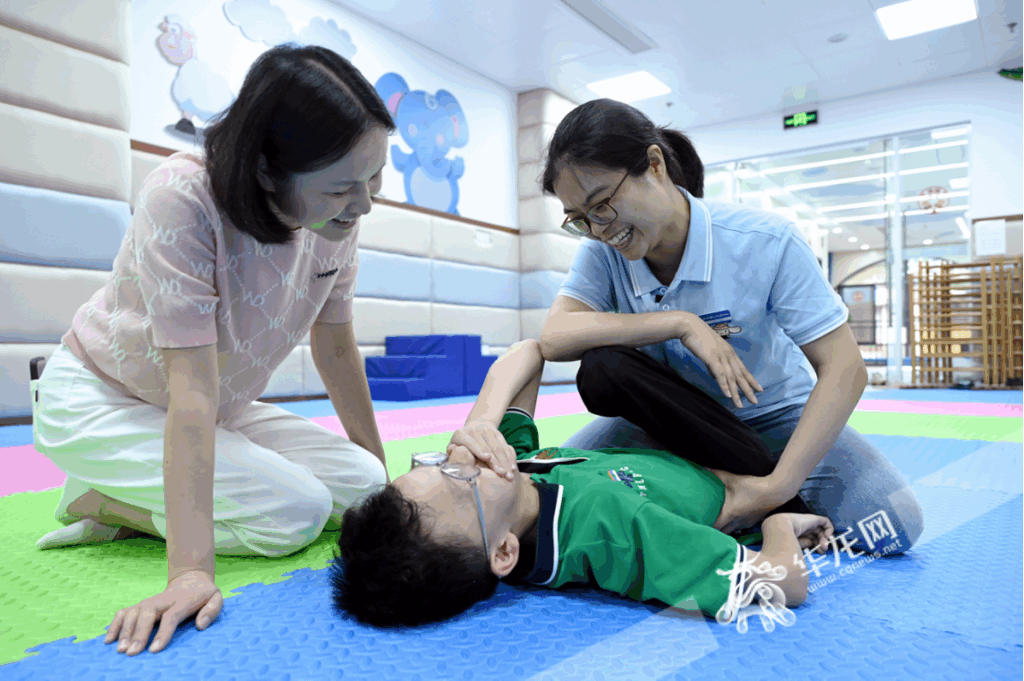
<point x="723" y="59"/>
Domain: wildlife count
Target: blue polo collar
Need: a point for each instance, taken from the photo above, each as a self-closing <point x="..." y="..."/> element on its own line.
<point x="696" y="262"/>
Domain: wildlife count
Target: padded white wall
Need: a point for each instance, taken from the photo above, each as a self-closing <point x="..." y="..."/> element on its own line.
<point x="545" y="250"/>
<point x="64" y="163"/>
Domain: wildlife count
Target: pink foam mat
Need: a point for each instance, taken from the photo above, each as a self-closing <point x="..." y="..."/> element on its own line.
<point x="26" y="470"/>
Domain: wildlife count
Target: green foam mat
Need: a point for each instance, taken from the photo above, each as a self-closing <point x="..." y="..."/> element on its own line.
<point x="991" y="428"/>
<point x="77" y="590"/>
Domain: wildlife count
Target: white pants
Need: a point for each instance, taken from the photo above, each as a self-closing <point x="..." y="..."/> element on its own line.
<point x="279" y="478"/>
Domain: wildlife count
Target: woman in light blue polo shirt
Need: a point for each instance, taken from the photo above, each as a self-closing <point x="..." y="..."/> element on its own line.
<point x="734" y="302"/>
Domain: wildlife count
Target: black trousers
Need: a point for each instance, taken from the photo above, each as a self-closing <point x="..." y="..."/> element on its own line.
<point x="619" y="381"/>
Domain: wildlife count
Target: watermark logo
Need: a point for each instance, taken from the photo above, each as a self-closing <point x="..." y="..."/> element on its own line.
<point x="877" y="530"/>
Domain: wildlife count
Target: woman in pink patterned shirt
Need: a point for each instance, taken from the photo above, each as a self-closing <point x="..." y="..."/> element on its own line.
<point x="231" y="258"/>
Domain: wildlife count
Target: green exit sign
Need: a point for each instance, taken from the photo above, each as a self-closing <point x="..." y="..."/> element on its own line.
<point x="799" y="120"/>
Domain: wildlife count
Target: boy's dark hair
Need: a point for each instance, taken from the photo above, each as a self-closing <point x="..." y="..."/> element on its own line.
<point x="614" y="135"/>
<point x="304" y="108"/>
<point x="391" y="573"/>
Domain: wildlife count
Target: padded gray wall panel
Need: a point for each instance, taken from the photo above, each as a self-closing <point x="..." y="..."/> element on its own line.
<point x="98" y="26"/>
<point x="460" y="242"/>
<point x="395" y="230"/>
<point x="14" y="376"/>
<point x="547" y="251"/>
<point x="38" y="304"/>
<point x="495" y="326"/>
<point x="390" y="275"/>
<point x="375" y="318"/>
<point x="63" y="80"/>
<point x="537" y="290"/>
<point x="462" y="284"/>
<point x="52" y="152"/>
<point x="143" y="164"/>
<point x="46" y="227"/>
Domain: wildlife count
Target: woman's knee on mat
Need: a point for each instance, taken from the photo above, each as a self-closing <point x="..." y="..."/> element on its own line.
<point x="888" y="526"/>
<point x="286" y="528"/>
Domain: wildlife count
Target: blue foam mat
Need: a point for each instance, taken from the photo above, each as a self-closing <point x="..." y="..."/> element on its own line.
<point x="949" y="609"/>
<point x="946" y="395"/>
<point x="287" y="631"/>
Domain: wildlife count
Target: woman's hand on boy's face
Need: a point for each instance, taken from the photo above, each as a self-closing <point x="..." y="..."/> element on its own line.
<point x="487" y="445"/>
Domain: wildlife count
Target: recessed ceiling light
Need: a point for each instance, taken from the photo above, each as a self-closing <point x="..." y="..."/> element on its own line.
<point x="927" y="242"/>
<point x="631" y="87"/>
<point x="837" y="230"/>
<point x="852" y="239"/>
<point x="614" y="26"/>
<point x="922" y="16"/>
<point x="864" y="247"/>
<point x="837" y="38"/>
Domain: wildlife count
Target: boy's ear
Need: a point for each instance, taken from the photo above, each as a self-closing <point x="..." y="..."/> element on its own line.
<point x="507" y="556"/>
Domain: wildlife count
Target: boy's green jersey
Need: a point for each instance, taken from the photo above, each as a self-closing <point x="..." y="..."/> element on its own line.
<point x="634" y="521"/>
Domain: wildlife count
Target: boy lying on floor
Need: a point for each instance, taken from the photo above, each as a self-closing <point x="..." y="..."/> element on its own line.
<point x="637" y="522"/>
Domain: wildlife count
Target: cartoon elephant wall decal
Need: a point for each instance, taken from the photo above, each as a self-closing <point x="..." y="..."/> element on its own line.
<point x="430" y="125"/>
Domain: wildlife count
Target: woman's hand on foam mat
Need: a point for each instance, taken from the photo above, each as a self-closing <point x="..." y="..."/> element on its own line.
<point x="186" y="594"/>
<point x="487" y="445"/>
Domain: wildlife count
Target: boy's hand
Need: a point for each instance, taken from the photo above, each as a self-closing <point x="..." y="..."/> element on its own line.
<point x="811" y="531"/>
<point x="487" y="445"/>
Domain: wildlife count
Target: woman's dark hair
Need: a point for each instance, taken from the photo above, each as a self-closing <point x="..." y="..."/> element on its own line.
<point x="614" y="135"/>
<point x="390" y="573"/>
<point x="303" y="108"/>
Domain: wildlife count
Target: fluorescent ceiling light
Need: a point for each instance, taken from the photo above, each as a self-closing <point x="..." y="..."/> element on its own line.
<point x="850" y="206"/>
<point x="612" y="25"/>
<point x="960" y="182"/>
<point x="630" y="87"/>
<point x="852" y="239"/>
<point x="947" y="209"/>
<point x="831" y="183"/>
<point x="864" y="247"/>
<point x="746" y="174"/>
<point x="927" y="242"/>
<point x="931" y="169"/>
<point x="859" y="218"/>
<point x="963" y="227"/>
<point x="922" y="16"/>
<point x="955" y="132"/>
<point x="869" y="204"/>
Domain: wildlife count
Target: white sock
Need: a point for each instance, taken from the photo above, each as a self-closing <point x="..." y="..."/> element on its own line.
<point x="85" y="531"/>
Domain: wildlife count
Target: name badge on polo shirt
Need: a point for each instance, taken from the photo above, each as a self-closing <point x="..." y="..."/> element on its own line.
<point x="720" y="323"/>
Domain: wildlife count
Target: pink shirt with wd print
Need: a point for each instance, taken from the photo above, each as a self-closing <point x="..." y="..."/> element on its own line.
<point x="186" y="277"/>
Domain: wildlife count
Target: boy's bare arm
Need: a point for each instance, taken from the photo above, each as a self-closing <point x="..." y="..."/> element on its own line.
<point x="513" y="381"/>
<point x="782" y="547"/>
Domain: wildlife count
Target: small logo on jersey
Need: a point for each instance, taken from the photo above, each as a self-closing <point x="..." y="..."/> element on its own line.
<point x="629" y="479"/>
<point x="720" y="323"/>
<point x="548" y="453"/>
<point x="325" y="274"/>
